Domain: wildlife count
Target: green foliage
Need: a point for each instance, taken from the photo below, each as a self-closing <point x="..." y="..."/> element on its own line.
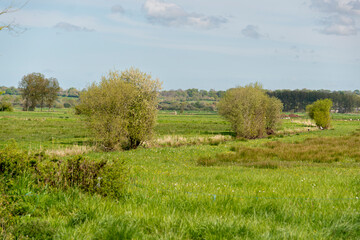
<point x="105" y="177"/>
<point x="121" y="109"/>
<point x="320" y="112"/>
<point x="250" y="111"/>
<point x="13" y="162"/>
<point x="6" y="107"/>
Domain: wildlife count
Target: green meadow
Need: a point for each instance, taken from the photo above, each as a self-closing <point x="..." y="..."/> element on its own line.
<point x="193" y="181"/>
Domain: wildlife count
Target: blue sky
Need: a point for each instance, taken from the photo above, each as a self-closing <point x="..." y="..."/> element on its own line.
<point x="282" y="44"/>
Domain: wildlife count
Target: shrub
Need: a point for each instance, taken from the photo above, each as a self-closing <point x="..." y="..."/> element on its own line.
<point x="13" y="162"/>
<point x="67" y="105"/>
<point x="320" y="112"/>
<point x="6" y="107"/>
<point x="250" y="111"/>
<point x="121" y="109"/>
<point x="106" y="177"/>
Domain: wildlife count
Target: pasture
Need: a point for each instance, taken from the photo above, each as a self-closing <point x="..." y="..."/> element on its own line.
<point x="173" y="194"/>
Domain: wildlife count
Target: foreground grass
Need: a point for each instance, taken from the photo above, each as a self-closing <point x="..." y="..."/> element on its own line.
<point x="171" y="197"/>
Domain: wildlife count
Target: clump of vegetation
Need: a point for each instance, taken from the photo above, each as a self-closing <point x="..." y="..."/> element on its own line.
<point x="121" y="109"/>
<point x="320" y="112"/>
<point x="6" y="107"/>
<point x="24" y="175"/>
<point x="106" y="177"/>
<point x="276" y="153"/>
<point x="251" y="112"/>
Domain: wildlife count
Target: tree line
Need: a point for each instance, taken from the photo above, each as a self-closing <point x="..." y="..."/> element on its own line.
<point x="297" y="100"/>
<point x="202" y="100"/>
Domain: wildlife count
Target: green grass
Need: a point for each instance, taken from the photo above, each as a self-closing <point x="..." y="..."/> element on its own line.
<point x="170" y="196"/>
<point x="42" y="129"/>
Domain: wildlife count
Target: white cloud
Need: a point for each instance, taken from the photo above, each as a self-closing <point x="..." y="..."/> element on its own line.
<point x="71" y="27"/>
<point x="351" y="7"/>
<point x="339" y="25"/>
<point x="171" y="14"/>
<point x="342" y="17"/>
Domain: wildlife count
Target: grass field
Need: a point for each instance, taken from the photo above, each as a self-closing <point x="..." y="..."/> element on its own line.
<point x="171" y="195"/>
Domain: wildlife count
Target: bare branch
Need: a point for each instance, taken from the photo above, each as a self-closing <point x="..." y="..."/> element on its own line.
<point x="10" y="9"/>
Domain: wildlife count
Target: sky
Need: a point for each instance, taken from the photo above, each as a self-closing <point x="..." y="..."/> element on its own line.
<point x="204" y="44"/>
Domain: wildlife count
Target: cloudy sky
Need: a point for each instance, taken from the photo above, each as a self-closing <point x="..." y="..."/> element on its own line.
<point x="204" y="44"/>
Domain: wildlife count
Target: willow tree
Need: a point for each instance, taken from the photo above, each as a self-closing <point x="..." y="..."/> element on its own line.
<point x="121" y="110"/>
<point x="319" y="111"/>
<point x="251" y="112"/>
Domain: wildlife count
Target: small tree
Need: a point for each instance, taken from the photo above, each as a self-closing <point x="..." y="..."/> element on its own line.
<point x="251" y="112"/>
<point x="36" y="89"/>
<point x="319" y="111"/>
<point x="121" y="109"/>
<point x="31" y="87"/>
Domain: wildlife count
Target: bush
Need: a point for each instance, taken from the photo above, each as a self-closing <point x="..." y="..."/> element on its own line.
<point x="105" y="177"/>
<point x="67" y="105"/>
<point x="13" y="162"/>
<point x="6" y="107"/>
<point x="319" y="111"/>
<point x="121" y="109"/>
<point x="251" y="112"/>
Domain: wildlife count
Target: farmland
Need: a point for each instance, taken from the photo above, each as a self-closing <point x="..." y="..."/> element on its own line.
<point x="172" y="194"/>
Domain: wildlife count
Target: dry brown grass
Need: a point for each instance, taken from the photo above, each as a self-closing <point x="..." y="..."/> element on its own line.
<point x="275" y="154"/>
<point x="305" y="122"/>
<point x="297" y="130"/>
<point x="69" y="151"/>
<point x="177" y="141"/>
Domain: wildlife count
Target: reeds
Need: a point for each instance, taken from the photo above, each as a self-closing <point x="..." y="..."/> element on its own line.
<point x="274" y="154"/>
<point x="69" y="151"/>
<point x="177" y="141"/>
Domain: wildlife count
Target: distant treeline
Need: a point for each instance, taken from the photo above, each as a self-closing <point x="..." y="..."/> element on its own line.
<point x="203" y="100"/>
<point x="297" y="100"/>
<point x="293" y="100"/>
<point x="189" y="100"/>
<point x="71" y="92"/>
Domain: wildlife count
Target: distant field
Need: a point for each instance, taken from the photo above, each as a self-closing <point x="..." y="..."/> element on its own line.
<point x="171" y="196"/>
